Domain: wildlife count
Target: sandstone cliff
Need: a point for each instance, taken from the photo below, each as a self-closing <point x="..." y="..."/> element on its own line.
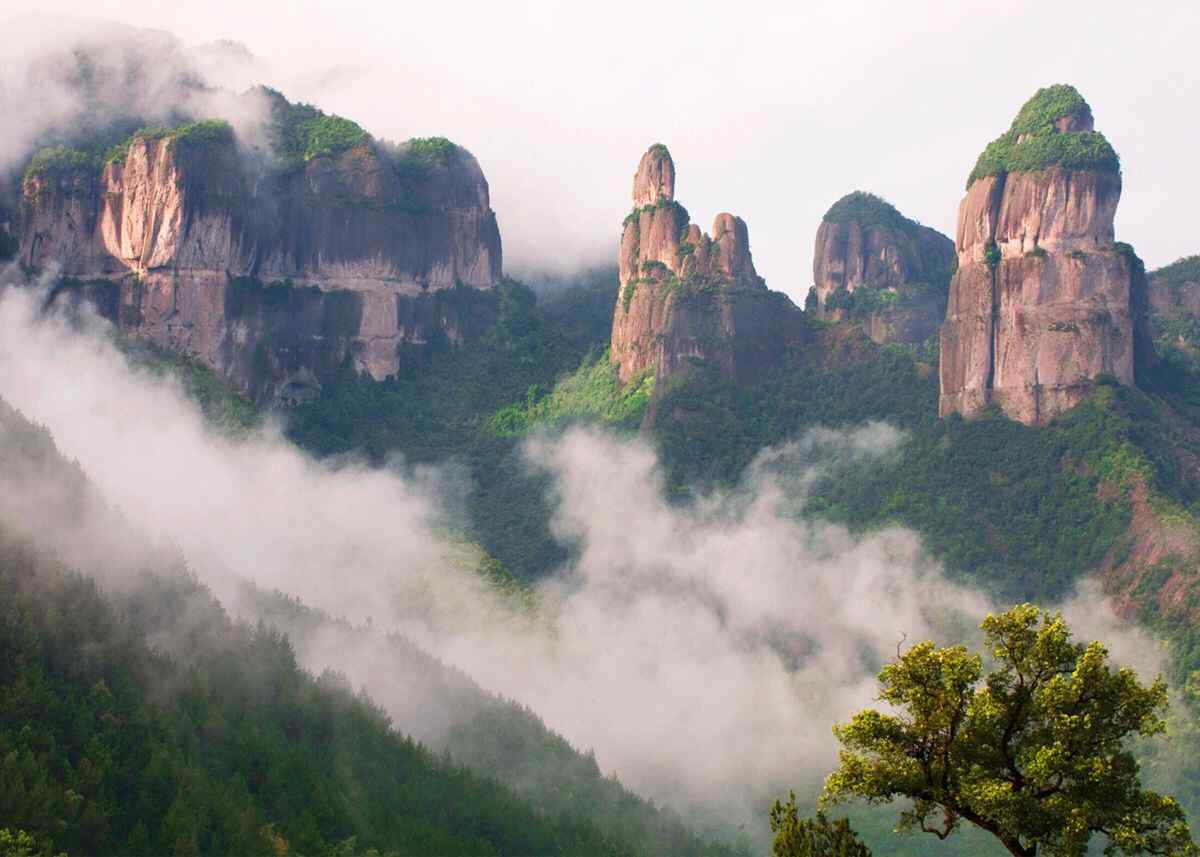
<point x="874" y="265"/>
<point x="1044" y="301"/>
<point x="352" y="235"/>
<point x="684" y="294"/>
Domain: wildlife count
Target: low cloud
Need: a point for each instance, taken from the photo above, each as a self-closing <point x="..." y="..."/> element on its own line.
<point x="702" y="651"/>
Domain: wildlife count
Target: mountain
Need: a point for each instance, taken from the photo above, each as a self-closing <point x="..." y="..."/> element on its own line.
<point x="1044" y="446"/>
<point x="873" y="264"/>
<point x="685" y="295"/>
<point x="1044" y="302"/>
<point x="273" y="262"/>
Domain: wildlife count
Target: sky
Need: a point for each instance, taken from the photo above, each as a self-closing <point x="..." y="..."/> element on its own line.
<point x="772" y="110"/>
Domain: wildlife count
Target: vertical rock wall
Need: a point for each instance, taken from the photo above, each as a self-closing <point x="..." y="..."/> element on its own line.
<point x="1044" y="301"/>
<point x="335" y="252"/>
<point x="684" y="294"/>
<point x="874" y="265"/>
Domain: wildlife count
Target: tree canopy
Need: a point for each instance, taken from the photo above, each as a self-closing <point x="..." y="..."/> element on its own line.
<point x="1034" y="750"/>
<point x="812" y="837"/>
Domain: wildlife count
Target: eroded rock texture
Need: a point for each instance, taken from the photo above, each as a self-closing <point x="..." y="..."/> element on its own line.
<point x="685" y="294"/>
<point x="874" y="265"/>
<point x="272" y="277"/>
<point x="1044" y="301"/>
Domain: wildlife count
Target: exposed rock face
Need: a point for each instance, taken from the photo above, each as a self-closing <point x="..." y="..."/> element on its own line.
<point x="352" y="243"/>
<point x="873" y="264"/>
<point x="1043" y="302"/>
<point x="684" y="294"/>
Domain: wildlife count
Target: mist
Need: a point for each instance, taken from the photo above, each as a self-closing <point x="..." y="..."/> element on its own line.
<point x="702" y="651"/>
<point x="65" y="79"/>
<point x="772" y="113"/>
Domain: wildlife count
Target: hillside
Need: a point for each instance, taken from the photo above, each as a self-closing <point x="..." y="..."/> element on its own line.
<point x="141" y="718"/>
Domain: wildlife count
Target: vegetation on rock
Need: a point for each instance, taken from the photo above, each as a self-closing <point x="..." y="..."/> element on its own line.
<point x="1033" y="143"/>
<point x="61" y="162"/>
<point x="189" y="134"/>
<point x="433" y="149"/>
<point x="867" y="209"/>
<point x="301" y="132"/>
<point x="593" y="393"/>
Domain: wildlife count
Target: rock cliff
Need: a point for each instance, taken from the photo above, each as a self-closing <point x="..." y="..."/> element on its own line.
<point x="345" y="238"/>
<point x="1044" y="301"/>
<point x="874" y="265"/>
<point x="685" y="294"/>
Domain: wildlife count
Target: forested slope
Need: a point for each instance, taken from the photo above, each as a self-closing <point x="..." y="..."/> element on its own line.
<point x="139" y="717"/>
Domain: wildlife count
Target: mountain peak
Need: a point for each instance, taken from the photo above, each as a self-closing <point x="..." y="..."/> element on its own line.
<point x="655" y="177"/>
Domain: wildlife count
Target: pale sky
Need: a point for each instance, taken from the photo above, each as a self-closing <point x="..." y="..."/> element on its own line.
<point x="771" y="110"/>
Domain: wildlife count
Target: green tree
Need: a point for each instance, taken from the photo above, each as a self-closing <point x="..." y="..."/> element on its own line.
<point x="1034" y="751"/>
<point x="18" y="843"/>
<point x="812" y="837"/>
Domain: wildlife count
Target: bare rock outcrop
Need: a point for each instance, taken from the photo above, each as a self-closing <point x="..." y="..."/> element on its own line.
<point x="340" y="243"/>
<point x="1044" y="302"/>
<point x="685" y="294"/>
<point x="874" y="265"/>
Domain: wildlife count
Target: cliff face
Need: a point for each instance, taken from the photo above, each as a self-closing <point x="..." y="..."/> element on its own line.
<point x="874" y="265"/>
<point x="684" y="294"/>
<point x="187" y="224"/>
<point x="1044" y="301"/>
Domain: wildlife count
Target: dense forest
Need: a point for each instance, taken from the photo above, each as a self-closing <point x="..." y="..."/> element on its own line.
<point x="140" y="718"/>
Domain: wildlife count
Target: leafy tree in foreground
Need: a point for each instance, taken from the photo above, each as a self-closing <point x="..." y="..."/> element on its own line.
<point x="812" y="837"/>
<point x="1034" y="751"/>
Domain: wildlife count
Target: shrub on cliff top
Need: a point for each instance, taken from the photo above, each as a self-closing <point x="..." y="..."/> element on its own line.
<point x="1043" y="145"/>
<point x="301" y="132"/>
<point x="867" y="209"/>
<point x="61" y="161"/>
<point x="437" y="149"/>
<point x="188" y="134"/>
